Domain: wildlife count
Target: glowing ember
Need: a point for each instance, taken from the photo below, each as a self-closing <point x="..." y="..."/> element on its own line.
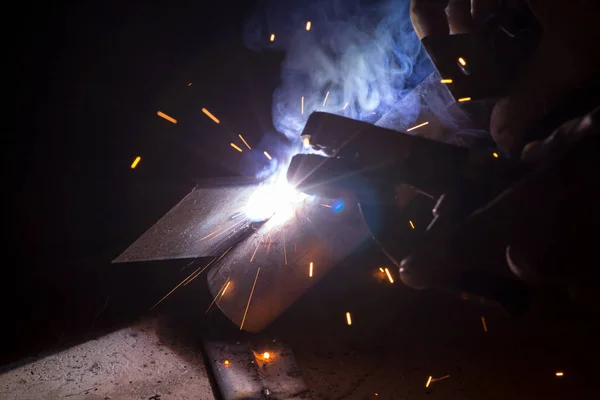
<point x="246" y="143"/>
<point x="226" y="362"/>
<point x="463" y="99"/>
<point x="348" y="318"/>
<point x="306" y="142"/>
<point x="308" y="25"/>
<point x="462" y="61"/>
<point x="325" y="101"/>
<point x="272" y="37"/>
<point x="560" y="374"/>
<point x="190" y="84"/>
<point x="389" y="275"/>
<point x="267" y="155"/>
<point x="266" y="355"/>
<point x="495" y="155"/>
<point x="411" y="224"/>
<point x="165" y="116"/>
<point x="381" y="269"/>
<point x="310" y="270"/>
<point x="135" y="162"/>
<point x="428" y="381"/>
<point x="235" y="147"/>
<point x="205" y="111"/>
<point x="483" y="323"/>
<point x="417" y="126"/>
<point x="446" y="81"/>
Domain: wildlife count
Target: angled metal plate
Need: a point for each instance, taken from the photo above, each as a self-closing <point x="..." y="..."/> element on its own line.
<point x="200" y="225"/>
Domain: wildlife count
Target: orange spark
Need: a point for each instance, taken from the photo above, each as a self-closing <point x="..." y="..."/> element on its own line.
<point x="308" y="25"/>
<point x="165" y="116"/>
<point x="223" y="288"/>
<point x="411" y="224"/>
<point x="381" y="269"/>
<point x="253" y="254"/>
<point x="560" y="374"/>
<point x="190" y="84"/>
<point x="428" y="381"/>
<point x="463" y="99"/>
<point x="417" y="126"/>
<point x="267" y="155"/>
<point x="389" y="275"/>
<point x="495" y="155"/>
<point x="310" y="270"/>
<point x="136" y="162"/>
<point x="205" y="111"/>
<point x="266" y="355"/>
<point x="483" y="323"/>
<point x="462" y="61"/>
<point x="325" y="101"/>
<point x="272" y="37"/>
<point x="348" y="318"/>
<point x="249" y="299"/>
<point x="235" y="147"/>
<point x="246" y="143"/>
<point x="226" y="362"/>
<point x="446" y="81"/>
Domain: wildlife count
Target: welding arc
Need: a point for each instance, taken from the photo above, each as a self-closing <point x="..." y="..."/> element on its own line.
<point x="249" y="299"/>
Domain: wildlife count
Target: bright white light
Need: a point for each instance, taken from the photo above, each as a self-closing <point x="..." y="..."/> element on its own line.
<point x="276" y="201"/>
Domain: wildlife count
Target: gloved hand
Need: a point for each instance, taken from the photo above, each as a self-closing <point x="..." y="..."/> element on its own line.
<point x="564" y="60"/>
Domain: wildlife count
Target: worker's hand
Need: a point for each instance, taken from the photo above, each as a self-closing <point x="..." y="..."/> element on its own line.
<point x="543" y="229"/>
<point x="564" y="60"/>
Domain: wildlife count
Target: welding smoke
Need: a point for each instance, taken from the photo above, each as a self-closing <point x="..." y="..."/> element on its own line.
<point x="365" y="54"/>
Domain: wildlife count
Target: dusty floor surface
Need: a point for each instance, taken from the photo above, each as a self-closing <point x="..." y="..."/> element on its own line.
<point x="131" y="363"/>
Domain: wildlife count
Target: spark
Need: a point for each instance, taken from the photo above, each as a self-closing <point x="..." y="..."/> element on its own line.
<point x="272" y="37"/>
<point x="417" y="126"/>
<point x="253" y="254"/>
<point x="267" y="155"/>
<point x="495" y="155"/>
<point x="205" y="111"/>
<point x="345" y="105"/>
<point x="235" y="147"/>
<point x="223" y="288"/>
<point x="446" y="81"/>
<point x="165" y="116"/>
<point x="308" y="25"/>
<point x="284" y="247"/>
<point x="483" y="323"/>
<point x="226" y="287"/>
<point x="463" y="99"/>
<point x="440" y="379"/>
<point x="348" y="318"/>
<point x="411" y="224"/>
<point x="266" y="355"/>
<point x="560" y="373"/>
<point x="462" y="61"/>
<point x="428" y="381"/>
<point x="249" y="299"/>
<point x="389" y="275"/>
<point x="325" y="101"/>
<point x="381" y="269"/>
<point x="246" y="143"/>
<point x="310" y="270"/>
<point x="302" y="107"/>
<point x="183" y="282"/>
<point x="306" y="141"/>
<point x="269" y="246"/>
<point x="325" y="205"/>
<point x="217" y="233"/>
<point x="135" y="162"/>
<point x="212" y="262"/>
<point x="190" y="84"/>
<point x="226" y="362"/>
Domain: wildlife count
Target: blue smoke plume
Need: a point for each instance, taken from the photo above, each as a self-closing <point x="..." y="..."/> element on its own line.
<point x="365" y="54"/>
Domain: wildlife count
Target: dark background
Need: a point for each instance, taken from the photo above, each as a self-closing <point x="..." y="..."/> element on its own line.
<point x="90" y="79"/>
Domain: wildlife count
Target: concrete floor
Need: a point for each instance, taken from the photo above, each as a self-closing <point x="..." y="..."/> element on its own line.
<point x="131" y="363"/>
